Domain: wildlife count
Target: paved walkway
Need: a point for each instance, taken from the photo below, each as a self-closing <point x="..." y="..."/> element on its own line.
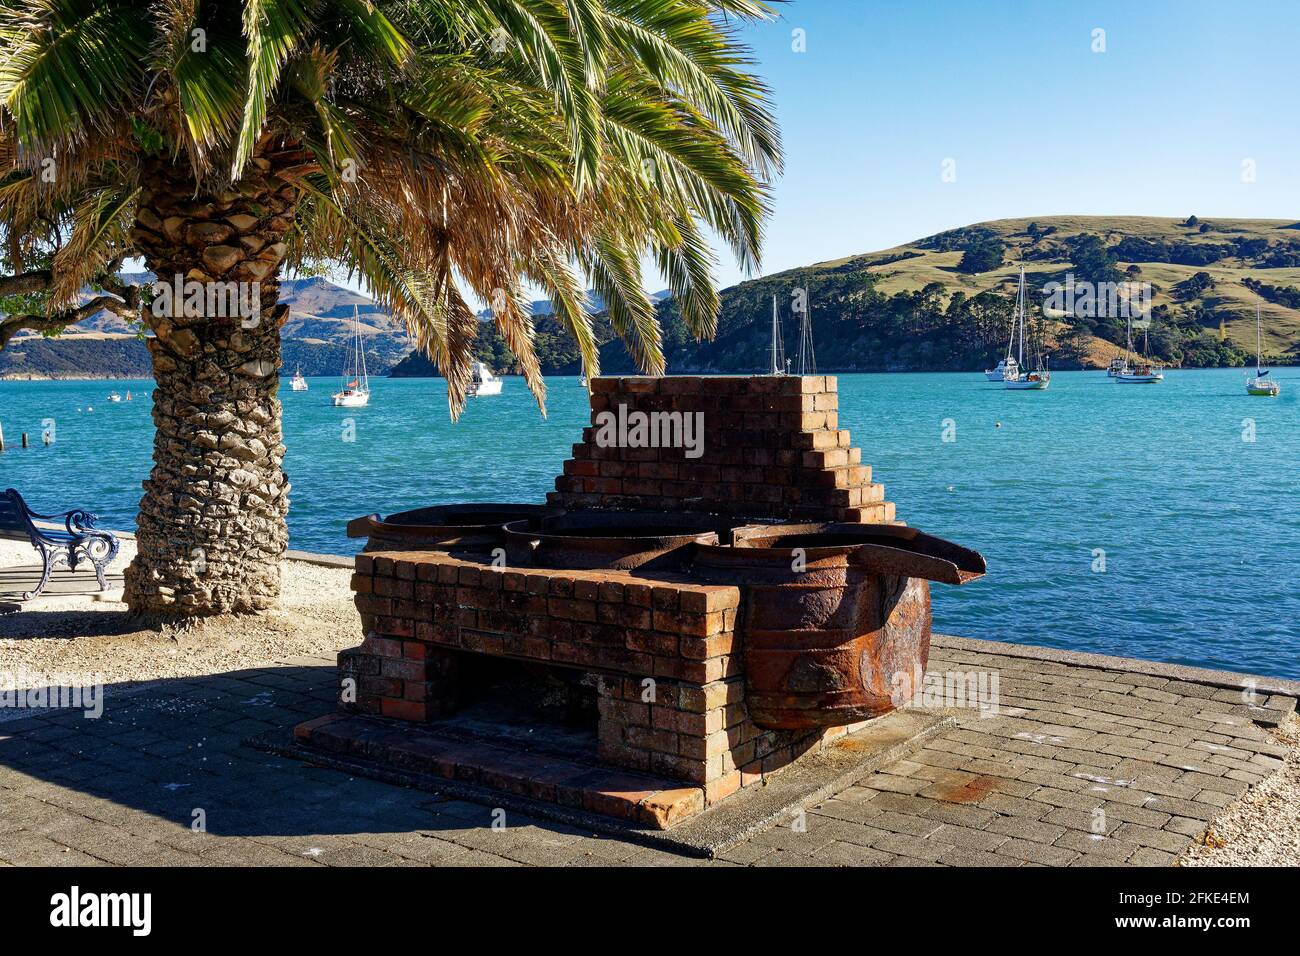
<point x="1082" y="766"/>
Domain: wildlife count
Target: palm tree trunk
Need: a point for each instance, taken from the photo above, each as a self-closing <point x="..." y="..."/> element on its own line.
<point x="211" y="529"/>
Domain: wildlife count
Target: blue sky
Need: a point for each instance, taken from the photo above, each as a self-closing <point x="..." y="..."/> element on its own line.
<point x="1036" y="122"/>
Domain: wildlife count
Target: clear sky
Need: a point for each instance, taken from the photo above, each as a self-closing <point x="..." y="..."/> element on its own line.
<point x="1035" y="118"/>
<point x="1036" y="122"/>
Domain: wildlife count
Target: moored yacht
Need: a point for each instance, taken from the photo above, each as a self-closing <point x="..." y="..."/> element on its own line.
<point x="298" y="383"/>
<point x="1261" y="384"/>
<point x="1143" y="373"/>
<point x="1007" y="368"/>
<point x="1037" y="378"/>
<point x="356" y="388"/>
<point x="483" y="382"/>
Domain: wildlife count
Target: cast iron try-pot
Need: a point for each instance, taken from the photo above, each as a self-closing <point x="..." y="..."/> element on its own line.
<point x="464" y="527"/>
<point x="835" y="618"/>
<point x="614" y="540"/>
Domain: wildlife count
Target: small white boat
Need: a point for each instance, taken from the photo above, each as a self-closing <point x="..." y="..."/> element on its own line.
<point x="1118" y="366"/>
<point x="582" y="381"/>
<point x="1261" y="384"/>
<point x="1006" y="368"/>
<point x="356" y="389"/>
<point x="1143" y="373"/>
<point x="298" y="383"/>
<point x="114" y="397"/>
<point x="1037" y="378"/>
<point x="483" y="382"/>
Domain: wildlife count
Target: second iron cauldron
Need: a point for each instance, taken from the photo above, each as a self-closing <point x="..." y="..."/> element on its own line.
<point x="832" y="614"/>
<point x="462" y="527"/>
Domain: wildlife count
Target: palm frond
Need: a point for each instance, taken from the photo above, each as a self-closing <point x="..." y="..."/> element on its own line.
<point x="100" y="224"/>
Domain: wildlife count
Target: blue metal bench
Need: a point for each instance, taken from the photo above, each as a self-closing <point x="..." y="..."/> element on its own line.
<point x="63" y="539"/>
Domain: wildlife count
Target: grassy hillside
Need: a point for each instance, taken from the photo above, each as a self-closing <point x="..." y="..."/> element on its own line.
<point x="1046" y="258"/>
<point x="925" y="305"/>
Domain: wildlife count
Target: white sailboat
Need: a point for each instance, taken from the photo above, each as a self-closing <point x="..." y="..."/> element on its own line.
<point x="356" y="383"/>
<point x="778" y="348"/>
<point x="298" y="383"/>
<point x="1261" y="384"/>
<point x="483" y="382"/>
<point x="1143" y="373"/>
<point x="1039" y="377"/>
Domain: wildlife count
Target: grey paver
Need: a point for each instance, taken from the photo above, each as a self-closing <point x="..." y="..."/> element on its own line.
<point x="1159" y="757"/>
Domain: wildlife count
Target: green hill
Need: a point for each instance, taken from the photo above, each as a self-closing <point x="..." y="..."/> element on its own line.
<point x="944" y="302"/>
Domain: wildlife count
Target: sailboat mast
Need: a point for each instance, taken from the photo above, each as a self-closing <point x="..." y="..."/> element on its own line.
<point x="361" y="352"/>
<point x="1015" y="317"/>
<point x="1020" y="312"/>
<point x="1259" y="339"/>
<point x="807" y="357"/>
<point x="775" y="370"/>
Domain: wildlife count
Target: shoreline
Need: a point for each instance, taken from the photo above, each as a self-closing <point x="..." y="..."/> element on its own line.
<point x="9" y="377"/>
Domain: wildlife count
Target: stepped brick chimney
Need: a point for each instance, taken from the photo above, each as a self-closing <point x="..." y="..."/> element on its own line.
<point x="771" y="448"/>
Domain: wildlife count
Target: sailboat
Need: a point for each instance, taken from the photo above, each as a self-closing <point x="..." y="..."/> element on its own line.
<point x="356" y="389"/>
<point x="1039" y="378"/>
<point x="1143" y="373"/>
<point x="778" y="348"/>
<point x="298" y="383"/>
<point x="483" y="382"/>
<point x="1261" y="384"/>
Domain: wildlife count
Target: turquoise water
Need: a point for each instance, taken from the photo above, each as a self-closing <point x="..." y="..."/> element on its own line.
<point x="1200" y="531"/>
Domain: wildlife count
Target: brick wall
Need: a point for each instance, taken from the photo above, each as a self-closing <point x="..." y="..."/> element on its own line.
<point x="772" y="449"/>
<point x="671" y="690"/>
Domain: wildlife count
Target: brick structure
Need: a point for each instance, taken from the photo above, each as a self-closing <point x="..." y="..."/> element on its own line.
<point x="772" y="448"/>
<point x="671" y="691"/>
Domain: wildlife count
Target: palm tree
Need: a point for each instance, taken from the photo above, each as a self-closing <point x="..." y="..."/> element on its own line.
<point x="426" y="146"/>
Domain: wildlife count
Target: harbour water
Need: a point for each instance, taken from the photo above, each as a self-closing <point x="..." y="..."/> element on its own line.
<point x="1153" y="521"/>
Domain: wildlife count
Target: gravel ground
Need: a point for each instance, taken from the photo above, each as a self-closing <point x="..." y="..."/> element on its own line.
<point x="1262" y="828"/>
<point x="86" y="635"/>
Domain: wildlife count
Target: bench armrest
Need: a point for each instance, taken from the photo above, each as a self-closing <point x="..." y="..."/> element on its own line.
<point x="74" y="522"/>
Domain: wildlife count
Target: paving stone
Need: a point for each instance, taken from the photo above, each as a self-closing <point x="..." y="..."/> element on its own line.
<point x="963" y="856"/>
<point x="1093" y="844"/>
<point x="1148" y="837"/>
<point x="1025" y="829"/>
<point x="1033" y="852"/>
<point x="966" y="837"/>
<point x="850" y="854"/>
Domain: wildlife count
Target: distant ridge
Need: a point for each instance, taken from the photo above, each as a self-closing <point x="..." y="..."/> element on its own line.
<point x="939" y="303"/>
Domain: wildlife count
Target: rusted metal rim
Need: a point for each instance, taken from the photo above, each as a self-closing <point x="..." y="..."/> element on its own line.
<point x="445" y="520"/>
<point x="878" y="548"/>
<point x="613" y="539"/>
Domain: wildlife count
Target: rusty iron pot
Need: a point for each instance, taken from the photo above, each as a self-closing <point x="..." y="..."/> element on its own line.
<point x="835" y="618"/>
<point x="613" y="540"/>
<point x="463" y="527"/>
